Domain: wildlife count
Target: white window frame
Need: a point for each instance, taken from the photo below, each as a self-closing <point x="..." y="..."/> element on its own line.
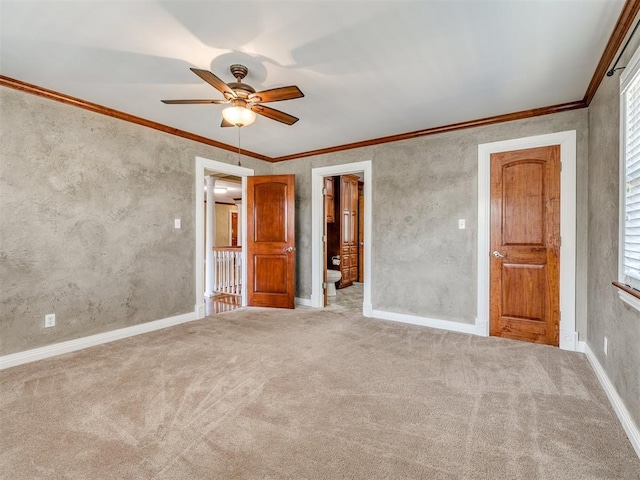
<point x="630" y="74"/>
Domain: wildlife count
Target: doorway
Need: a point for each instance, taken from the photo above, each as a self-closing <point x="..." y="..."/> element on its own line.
<point x="344" y="240"/>
<point x="568" y="337"/>
<point x="204" y="165"/>
<point x="319" y="262"/>
<point x="223" y="252"/>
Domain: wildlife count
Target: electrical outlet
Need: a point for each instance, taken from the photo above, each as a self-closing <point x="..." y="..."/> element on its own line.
<point x="177" y="223"/>
<point x="605" y="347"/>
<point x="50" y="320"/>
<point x="461" y="224"/>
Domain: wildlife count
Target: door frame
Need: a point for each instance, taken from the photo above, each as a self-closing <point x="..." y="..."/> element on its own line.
<point x="203" y="164"/>
<point x="317" y="227"/>
<point x="567" y="142"/>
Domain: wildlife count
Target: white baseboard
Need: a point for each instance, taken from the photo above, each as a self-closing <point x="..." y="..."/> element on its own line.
<point x="55" y="349"/>
<point x="618" y="405"/>
<point x="200" y="310"/>
<point x="426" y="322"/>
<point x="569" y="340"/>
<point x="481" y="328"/>
<point x="303" y="302"/>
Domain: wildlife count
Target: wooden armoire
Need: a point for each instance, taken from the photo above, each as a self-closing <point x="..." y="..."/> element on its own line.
<point x="342" y="233"/>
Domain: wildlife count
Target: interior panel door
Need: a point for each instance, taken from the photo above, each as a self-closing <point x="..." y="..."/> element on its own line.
<point x="361" y="236"/>
<point x="525" y="245"/>
<point x="271" y="241"/>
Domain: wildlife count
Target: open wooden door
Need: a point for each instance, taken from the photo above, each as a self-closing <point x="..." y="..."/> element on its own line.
<point x="271" y="241"/>
<point x="325" y="280"/>
<point x="360" y="232"/>
<point x="328" y="215"/>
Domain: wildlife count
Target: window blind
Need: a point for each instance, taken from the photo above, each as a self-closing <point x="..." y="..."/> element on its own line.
<point x="631" y="254"/>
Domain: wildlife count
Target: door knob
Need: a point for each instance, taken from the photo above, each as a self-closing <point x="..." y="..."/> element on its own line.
<point x="289" y="249"/>
<point x="497" y="254"/>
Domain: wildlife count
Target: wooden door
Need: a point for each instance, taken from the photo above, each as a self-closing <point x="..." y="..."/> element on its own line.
<point x="345" y="231"/>
<point x="329" y="212"/>
<point x="360" y="233"/>
<point x="271" y="241"/>
<point x="348" y="230"/>
<point x="234" y="229"/>
<point x="353" y="241"/>
<point x="328" y="215"/>
<point x="525" y="245"/>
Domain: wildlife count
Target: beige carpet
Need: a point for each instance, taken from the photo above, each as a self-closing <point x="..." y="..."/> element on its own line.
<point x="309" y="394"/>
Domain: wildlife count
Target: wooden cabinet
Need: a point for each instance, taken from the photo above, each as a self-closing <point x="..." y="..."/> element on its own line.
<point x="342" y="234"/>
<point x="349" y="229"/>
<point x="360" y="232"/>
<point x="329" y="204"/>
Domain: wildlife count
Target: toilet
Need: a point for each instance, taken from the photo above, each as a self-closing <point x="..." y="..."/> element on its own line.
<point x="333" y="276"/>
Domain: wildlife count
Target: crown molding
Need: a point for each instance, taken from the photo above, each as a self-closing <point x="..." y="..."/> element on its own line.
<point x="507" y="117"/>
<point x="625" y="20"/>
<point x="94" y="107"/>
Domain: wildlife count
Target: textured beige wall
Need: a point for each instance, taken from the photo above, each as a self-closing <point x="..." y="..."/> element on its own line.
<point x="607" y="314"/>
<point x="222" y="224"/>
<point x="87" y="204"/>
<point x="102" y="174"/>
<point x="422" y="263"/>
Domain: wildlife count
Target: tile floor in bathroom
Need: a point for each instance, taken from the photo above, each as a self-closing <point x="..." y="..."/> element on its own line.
<point x="348" y="298"/>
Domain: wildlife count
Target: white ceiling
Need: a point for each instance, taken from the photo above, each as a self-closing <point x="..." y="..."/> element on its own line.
<point x="368" y="69"/>
<point x="233" y="185"/>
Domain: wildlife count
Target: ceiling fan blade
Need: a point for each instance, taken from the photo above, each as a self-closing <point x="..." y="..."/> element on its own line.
<point x="276" y="94"/>
<point x="214" y="81"/>
<point x="226" y="124"/>
<point x="187" y="102"/>
<point x="274" y="114"/>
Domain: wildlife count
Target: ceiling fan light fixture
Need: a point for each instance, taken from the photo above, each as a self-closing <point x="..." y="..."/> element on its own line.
<point x="239" y="116"/>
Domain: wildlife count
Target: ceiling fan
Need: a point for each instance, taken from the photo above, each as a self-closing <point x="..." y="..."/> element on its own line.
<point x="244" y="100"/>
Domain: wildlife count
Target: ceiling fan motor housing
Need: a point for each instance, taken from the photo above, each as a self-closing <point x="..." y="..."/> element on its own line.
<point x="242" y="89"/>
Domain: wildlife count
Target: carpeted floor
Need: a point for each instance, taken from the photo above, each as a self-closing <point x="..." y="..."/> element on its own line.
<point x="264" y="394"/>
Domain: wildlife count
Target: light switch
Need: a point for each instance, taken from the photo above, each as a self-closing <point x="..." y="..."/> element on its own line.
<point x="461" y="224"/>
<point x="176" y="223"/>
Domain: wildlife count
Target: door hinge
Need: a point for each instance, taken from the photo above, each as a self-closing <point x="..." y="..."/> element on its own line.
<point x="560" y="166"/>
<point x="324" y="238"/>
<point x="324" y="191"/>
<point x="560" y="241"/>
<point x="324" y="285"/>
